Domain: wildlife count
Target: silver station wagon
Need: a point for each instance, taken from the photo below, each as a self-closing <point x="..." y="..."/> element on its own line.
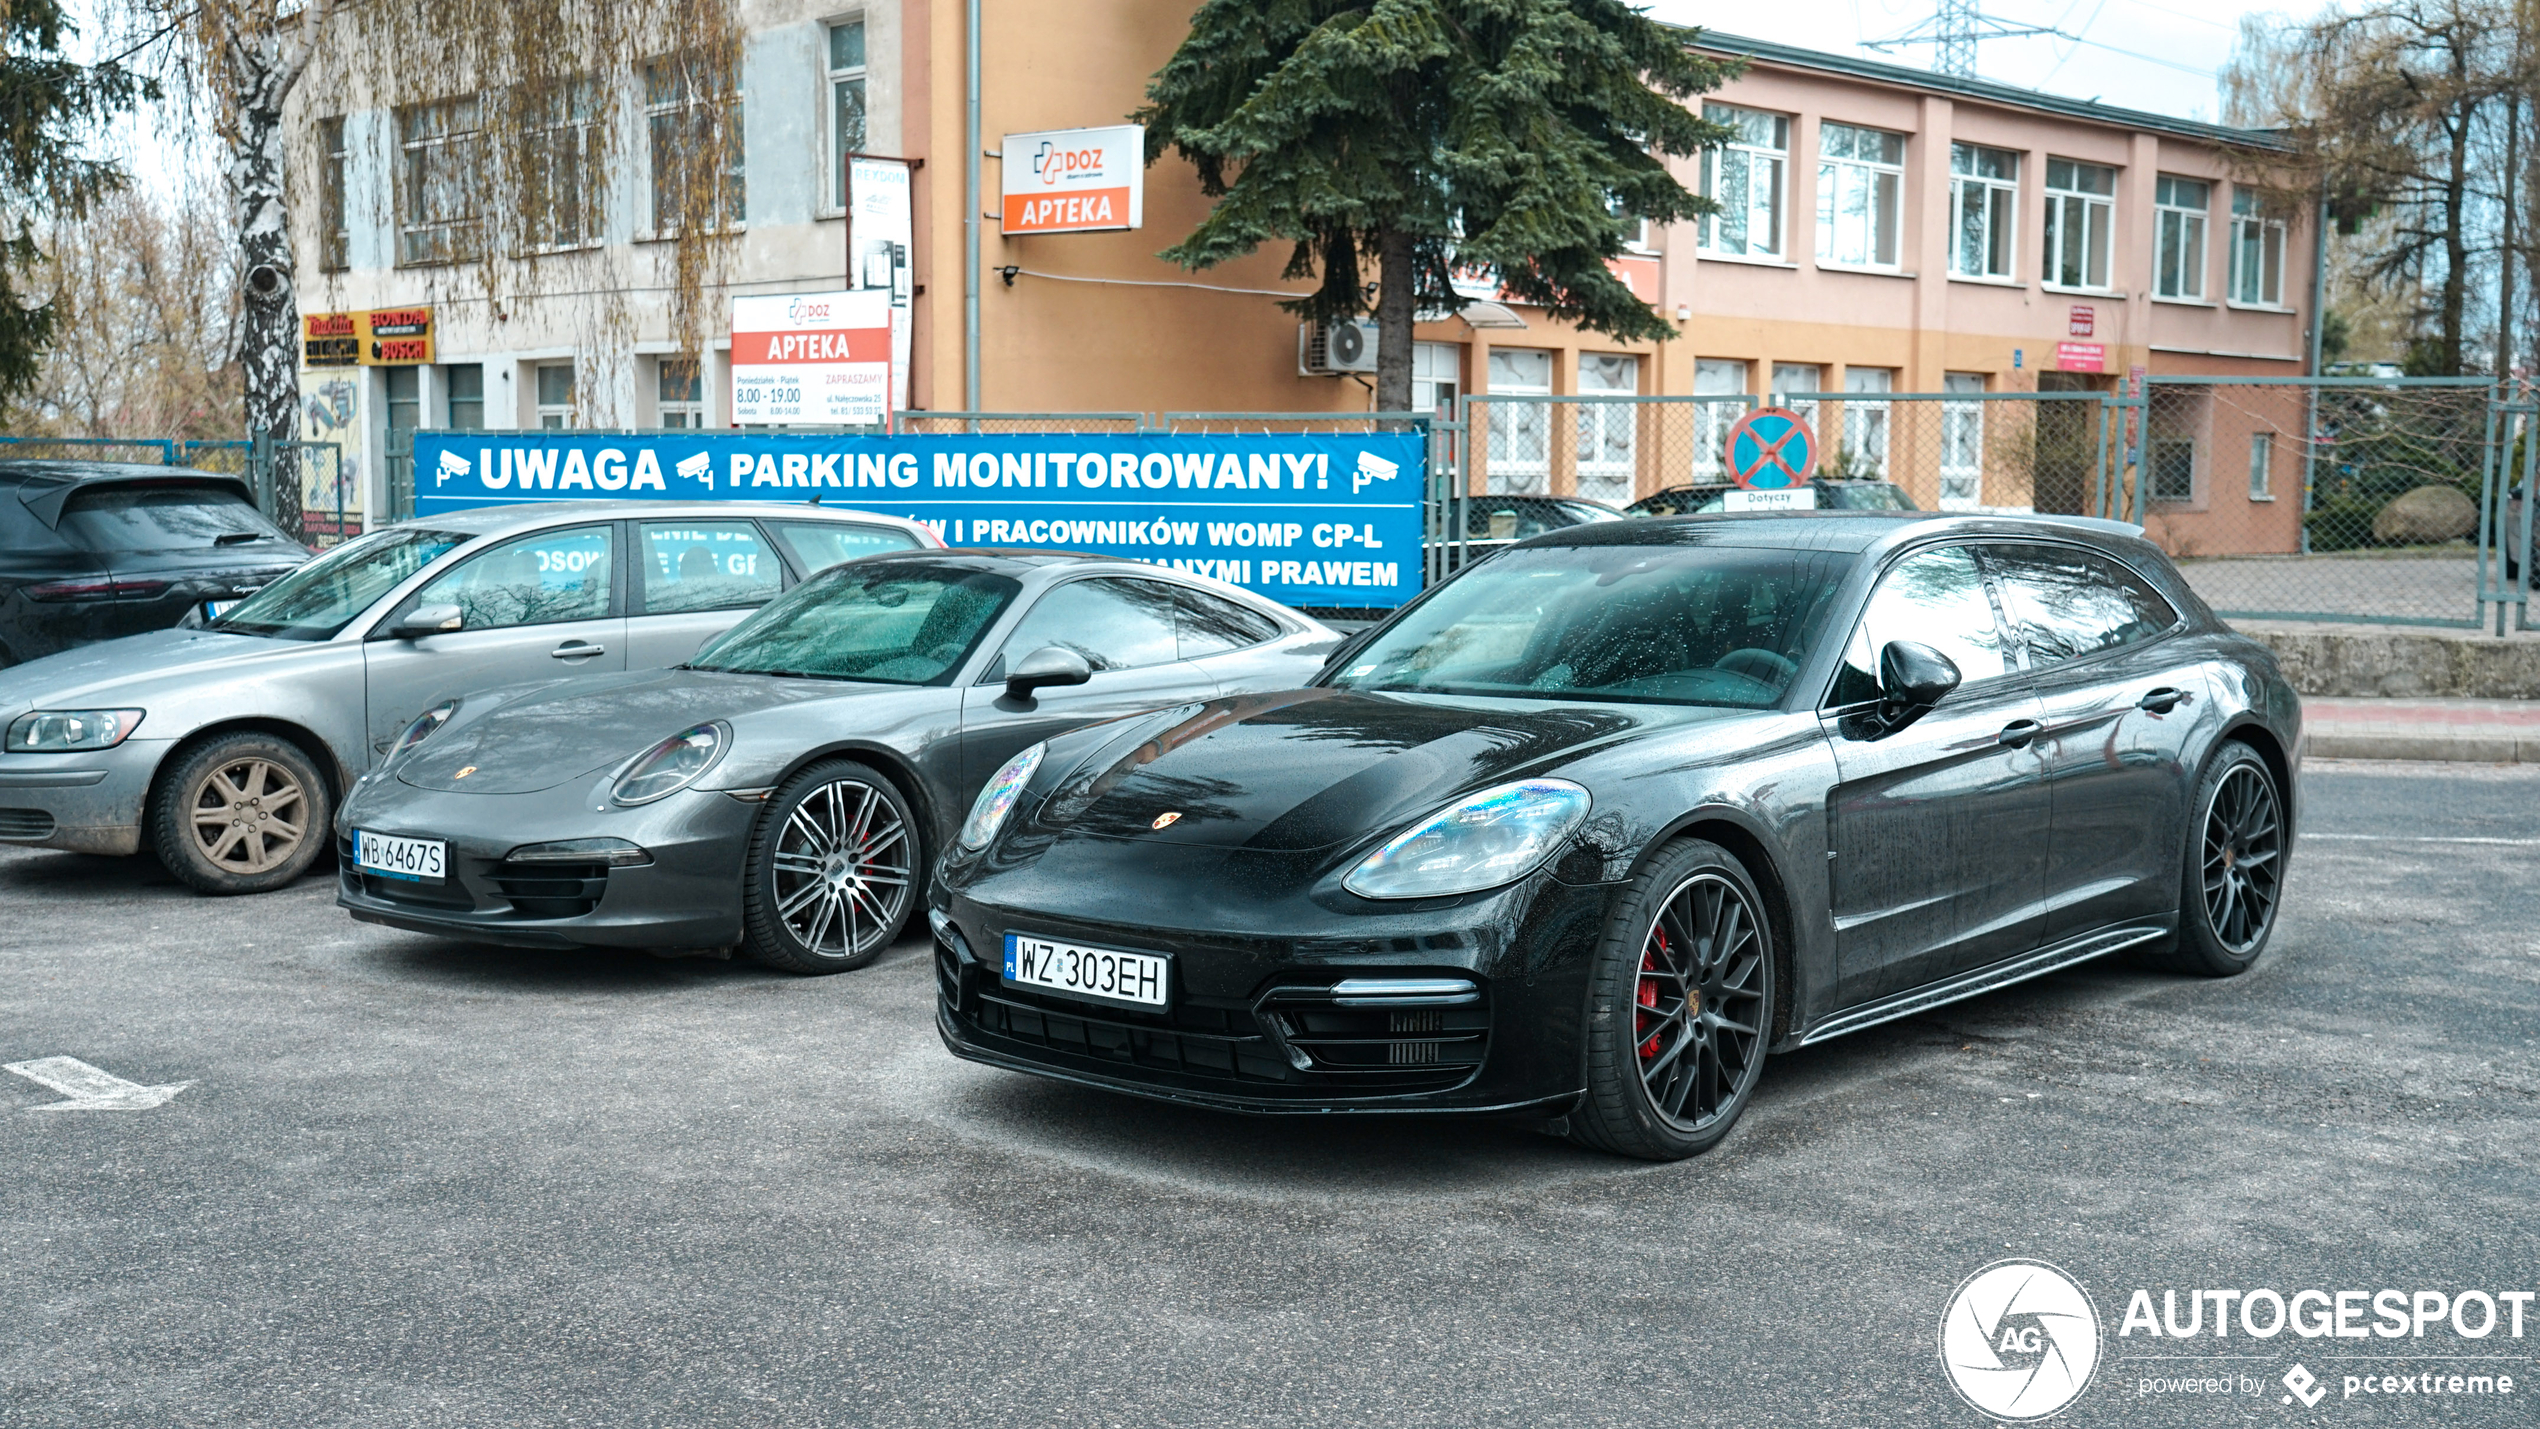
<point x="223" y="746"/>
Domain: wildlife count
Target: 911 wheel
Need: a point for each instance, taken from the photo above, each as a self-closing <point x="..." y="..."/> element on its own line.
<point x="2234" y="868"/>
<point x="1680" y="1009"/>
<point x="832" y="871"/>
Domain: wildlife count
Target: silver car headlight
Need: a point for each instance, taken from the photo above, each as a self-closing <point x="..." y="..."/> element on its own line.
<point x="671" y="765"/>
<point x="996" y="800"/>
<point x="425" y="725"/>
<point x="71" y="731"/>
<point x="1496" y="836"/>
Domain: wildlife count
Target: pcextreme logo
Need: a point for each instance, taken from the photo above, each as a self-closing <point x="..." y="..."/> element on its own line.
<point x="2020" y="1340"/>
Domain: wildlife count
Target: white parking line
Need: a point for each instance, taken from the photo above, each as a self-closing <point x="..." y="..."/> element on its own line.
<point x="2422" y="839"/>
<point x="89" y="1088"/>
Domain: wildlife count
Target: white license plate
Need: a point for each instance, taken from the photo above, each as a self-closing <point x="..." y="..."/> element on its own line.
<point x="415" y="860"/>
<point x="1094" y="974"/>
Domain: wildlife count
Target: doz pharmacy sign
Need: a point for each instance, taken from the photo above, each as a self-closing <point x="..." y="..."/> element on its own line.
<point x="1075" y="180"/>
<point x="812" y="359"/>
<point x="1309" y="520"/>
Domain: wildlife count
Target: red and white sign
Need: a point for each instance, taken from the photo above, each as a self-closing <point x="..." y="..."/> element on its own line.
<point x="814" y="359"/>
<point x="2083" y="322"/>
<point x="2081" y="357"/>
<point x="1075" y="180"/>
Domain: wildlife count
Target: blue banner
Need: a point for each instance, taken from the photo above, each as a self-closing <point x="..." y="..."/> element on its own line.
<point x="1320" y="519"/>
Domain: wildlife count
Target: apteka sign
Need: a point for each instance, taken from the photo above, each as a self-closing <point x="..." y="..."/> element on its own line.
<point x="1324" y="519"/>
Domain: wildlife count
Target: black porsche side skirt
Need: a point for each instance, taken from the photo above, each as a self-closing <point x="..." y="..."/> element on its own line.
<point x="2095" y="944"/>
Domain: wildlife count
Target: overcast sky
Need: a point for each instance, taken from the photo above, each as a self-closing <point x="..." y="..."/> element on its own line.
<point x="2176" y="46"/>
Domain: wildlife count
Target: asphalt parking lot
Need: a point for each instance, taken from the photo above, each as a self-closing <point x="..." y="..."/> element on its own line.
<point x="415" y="1182"/>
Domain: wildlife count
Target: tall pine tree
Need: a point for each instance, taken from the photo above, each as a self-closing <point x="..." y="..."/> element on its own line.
<point x="48" y="106"/>
<point x="1521" y="135"/>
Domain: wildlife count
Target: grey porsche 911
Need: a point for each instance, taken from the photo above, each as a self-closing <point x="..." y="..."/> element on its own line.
<point x="1589" y="830"/>
<point x="787" y="790"/>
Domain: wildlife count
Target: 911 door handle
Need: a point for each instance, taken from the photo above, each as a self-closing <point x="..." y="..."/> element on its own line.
<point x="2019" y="732"/>
<point x="575" y="650"/>
<point x="2161" y="701"/>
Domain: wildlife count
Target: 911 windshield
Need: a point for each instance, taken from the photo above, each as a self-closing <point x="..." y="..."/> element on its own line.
<point x="893" y="622"/>
<point x="1703" y="625"/>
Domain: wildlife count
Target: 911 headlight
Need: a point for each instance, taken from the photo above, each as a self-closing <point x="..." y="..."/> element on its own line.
<point x="1496" y="836"/>
<point x="996" y="800"/>
<point x="425" y="725"/>
<point x="70" y="731"/>
<point x="671" y="765"/>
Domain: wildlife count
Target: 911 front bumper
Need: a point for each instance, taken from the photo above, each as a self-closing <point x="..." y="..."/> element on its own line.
<point x="688" y="895"/>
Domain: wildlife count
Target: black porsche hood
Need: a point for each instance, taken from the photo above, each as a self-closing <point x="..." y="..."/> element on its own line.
<point x="1310" y="768"/>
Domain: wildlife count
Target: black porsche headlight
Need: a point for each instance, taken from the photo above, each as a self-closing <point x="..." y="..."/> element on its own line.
<point x="1496" y="836"/>
<point x="671" y="765"/>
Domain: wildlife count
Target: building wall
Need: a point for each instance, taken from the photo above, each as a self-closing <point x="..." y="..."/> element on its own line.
<point x="1097" y="322"/>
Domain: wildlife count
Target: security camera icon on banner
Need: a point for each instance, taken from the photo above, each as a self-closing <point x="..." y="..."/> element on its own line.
<point x="1372" y="467"/>
<point x="452" y="464"/>
<point x="700" y="466"/>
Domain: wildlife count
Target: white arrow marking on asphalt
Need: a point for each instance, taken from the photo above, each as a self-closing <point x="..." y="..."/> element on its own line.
<point x="88" y="1088"/>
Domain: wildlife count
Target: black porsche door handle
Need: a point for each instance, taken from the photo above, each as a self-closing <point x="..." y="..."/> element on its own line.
<point x="575" y="650"/>
<point x="2161" y="701"/>
<point x="2019" y="732"/>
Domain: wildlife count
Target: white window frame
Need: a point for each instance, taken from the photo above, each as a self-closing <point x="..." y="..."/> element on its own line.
<point x="1962" y="444"/>
<point x="1866" y="432"/>
<point x="2257" y="252"/>
<point x="1437" y="375"/>
<point x="1860" y="201"/>
<point x="1997" y="200"/>
<point x="2261" y="466"/>
<point x="1787" y="378"/>
<point x="553" y="416"/>
<point x="1520" y="432"/>
<point x="1760" y="159"/>
<point x="837" y="78"/>
<point x="560" y="133"/>
<point x="676" y="412"/>
<point x="1723" y="378"/>
<point x="2083" y="219"/>
<point x="2178" y="237"/>
<point x="335" y="234"/>
<point x="1608" y="450"/>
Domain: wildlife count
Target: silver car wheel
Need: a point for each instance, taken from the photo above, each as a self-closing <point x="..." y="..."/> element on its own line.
<point x="842" y="870"/>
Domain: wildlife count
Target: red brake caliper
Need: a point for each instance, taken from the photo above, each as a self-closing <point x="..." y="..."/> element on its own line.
<point x="1648" y="997"/>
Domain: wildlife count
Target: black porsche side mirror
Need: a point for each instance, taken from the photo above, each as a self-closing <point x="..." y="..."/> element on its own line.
<point x="1049" y="665"/>
<point x="1912" y="679"/>
<point x="428" y="620"/>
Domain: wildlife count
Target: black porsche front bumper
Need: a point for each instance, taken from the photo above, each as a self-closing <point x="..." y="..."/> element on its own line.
<point x="1260" y="1019"/>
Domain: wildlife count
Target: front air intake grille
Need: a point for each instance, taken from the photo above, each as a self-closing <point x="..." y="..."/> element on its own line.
<point x="1189" y="1041"/>
<point x="25" y="824"/>
<point x="1331" y="1036"/>
<point x="552" y="890"/>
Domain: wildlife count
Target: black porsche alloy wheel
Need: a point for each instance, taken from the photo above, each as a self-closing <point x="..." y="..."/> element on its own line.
<point x="240" y="813"/>
<point x="832" y="871"/>
<point x="1680" y="1009"/>
<point x="2234" y="870"/>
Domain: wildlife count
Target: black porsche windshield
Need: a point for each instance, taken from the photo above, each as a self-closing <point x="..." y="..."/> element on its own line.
<point x="895" y="622"/>
<point x="1706" y="625"/>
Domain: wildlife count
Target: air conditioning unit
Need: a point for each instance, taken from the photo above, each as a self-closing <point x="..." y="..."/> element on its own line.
<point x="1330" y="349"/>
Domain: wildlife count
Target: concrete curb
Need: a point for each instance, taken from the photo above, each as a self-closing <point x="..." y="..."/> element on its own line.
<point x="2439" y="748"/>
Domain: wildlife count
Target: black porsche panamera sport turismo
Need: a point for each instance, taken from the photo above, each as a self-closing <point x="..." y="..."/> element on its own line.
<point x="1587" y="831"/>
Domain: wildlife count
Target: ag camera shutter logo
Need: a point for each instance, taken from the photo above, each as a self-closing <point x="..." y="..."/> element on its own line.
<point x="2019" y="1340"/>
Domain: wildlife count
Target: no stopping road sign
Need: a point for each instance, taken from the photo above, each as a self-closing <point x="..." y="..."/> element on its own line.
<point x="1771" y="449"/>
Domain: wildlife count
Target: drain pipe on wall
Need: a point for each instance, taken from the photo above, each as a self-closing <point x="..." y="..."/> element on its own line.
<point x="970" y="221"/>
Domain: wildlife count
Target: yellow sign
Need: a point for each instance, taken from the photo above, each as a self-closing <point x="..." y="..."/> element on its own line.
<point x="396" y="337"/>
<point x="329" y="340"/>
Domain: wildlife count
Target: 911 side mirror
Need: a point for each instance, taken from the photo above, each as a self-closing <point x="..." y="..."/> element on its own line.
<point x="1047" y="666"/>
<point x="429" y="620"/>
<point x="1912" y="679"/>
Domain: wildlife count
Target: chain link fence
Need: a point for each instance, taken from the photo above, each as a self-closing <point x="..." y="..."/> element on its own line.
<point x="2328" y="500"/>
